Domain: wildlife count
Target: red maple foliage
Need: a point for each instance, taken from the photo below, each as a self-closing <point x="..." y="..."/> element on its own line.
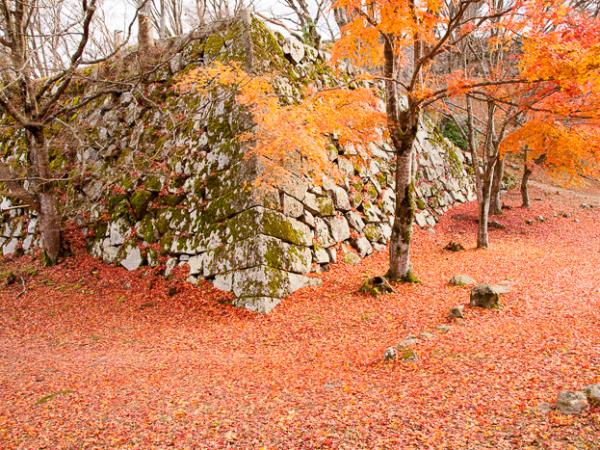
<point x="92" y="356"/>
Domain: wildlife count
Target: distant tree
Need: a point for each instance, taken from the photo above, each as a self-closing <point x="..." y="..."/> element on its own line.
<point x="145" y="38"/>
<point x="42" y="59"/>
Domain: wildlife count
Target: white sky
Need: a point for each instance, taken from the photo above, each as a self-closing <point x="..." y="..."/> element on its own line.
<point x="119" y="13"/>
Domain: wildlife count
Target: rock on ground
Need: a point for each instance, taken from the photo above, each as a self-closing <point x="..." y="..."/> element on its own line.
<point x="593" y="394"/>
<point x="461" y="280"/>
<point x="571" y="402"/>
<point x="487" y="295"/>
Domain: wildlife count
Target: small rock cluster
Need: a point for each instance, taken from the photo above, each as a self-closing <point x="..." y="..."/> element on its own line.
<point x="575" y="402"/>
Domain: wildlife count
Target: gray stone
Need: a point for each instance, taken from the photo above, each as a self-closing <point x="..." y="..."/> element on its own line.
<point x="133" y="259"/>
<point x="372" y="213"/>
<point x="457" y="312"/>
<point x="294" y="49"/>
<point x="388" y="199"/>
<point x="262" y="305"/>
<point x="340" y="199"/>
<point x="321" y="256"/>
<point x="487" y="295"/>
<point x="308" y="219"/>
<point x="28" y="243"/>
<point x="259" y="250"/>
<point x="461" y="280"/>
<point x="268" y="281"/>
<point x="421" y="219"/>
<point x="332" y="254"/>
<point x="363" y="246"/>
<point x="322" y="233"/>
<point x="10" y="247"/>
<point x="118" y="232"/>
<point x="407" y="354"/>
<point x="355" y="220"/>
<point x="571" y="402"/>
<point x="340" y="231"/>
<point x="196" y="264"/>
<point x="390" y="354"/>
<point x="350" y="257"/>
<point x="386" y="231"/>
<point x="224" y="281"/>
<point x="373" y="233"/>
<point x="408" y="341"/>
<point x="443" y="328"/>
<point x="592" y="393"/>
<point x="346" y="166"/>
<point x="292" y="207"/>
<point x="169" y="266"/>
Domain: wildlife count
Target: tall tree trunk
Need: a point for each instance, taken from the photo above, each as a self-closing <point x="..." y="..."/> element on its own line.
<point x="50" y="227"/>
<point x="403" y="126"/>
<point x="483" y="240"/>
<point x="496" y="196"/>
<point x="145" y="41"/>
<point x="162" y="23"/>
<point x="50" y="220"/>
<point x="524" y="186"/>
<point x="201" y="12"/>
<point x="400" y="268"/>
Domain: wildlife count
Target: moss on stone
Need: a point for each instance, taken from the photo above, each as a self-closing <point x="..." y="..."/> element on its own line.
<point x="147" y="230"/>
<point x="152" y="183"/>
<point x="171" y="199"/>
<point x="139" y="201"/>
<point x="372" y="232"/>
<point x="325" y="205"/>
<point x="278" y="225"/>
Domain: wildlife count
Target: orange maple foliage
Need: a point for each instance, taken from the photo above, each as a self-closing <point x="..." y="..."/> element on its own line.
<point x="284" y="133"/>
<point x="563" y="124"/>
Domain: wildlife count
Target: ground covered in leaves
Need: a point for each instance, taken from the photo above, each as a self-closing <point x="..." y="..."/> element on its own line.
<point x="95" y="357"/>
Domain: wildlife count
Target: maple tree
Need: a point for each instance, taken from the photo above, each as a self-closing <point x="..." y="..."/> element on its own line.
<point x="561" y="130"/>
<point x="406" y="40"/>
<point x="406" y="44"/>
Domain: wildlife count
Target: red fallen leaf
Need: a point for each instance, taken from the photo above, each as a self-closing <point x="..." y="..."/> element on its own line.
<point x="189" y="369"/>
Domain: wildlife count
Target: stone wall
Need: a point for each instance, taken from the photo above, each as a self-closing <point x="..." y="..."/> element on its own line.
<point x="167" y="183"/>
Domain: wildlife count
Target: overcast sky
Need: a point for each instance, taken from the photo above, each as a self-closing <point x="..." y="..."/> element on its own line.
<point x="119" y="13"/>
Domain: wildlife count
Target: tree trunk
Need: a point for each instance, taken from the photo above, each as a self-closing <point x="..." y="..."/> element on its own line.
<point x="50" y="227"/>
<point x="400" y="268"/>
<point x="50" y="220"/>
<point x="201" y="12"/>
<point x="402" y="126"/>
<point x="162" y="27"/>
<point x="145" y="41"/>
<point x="483" y="240"/>
<point x="496" y="196"/>
<point x="524" y="187"/>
